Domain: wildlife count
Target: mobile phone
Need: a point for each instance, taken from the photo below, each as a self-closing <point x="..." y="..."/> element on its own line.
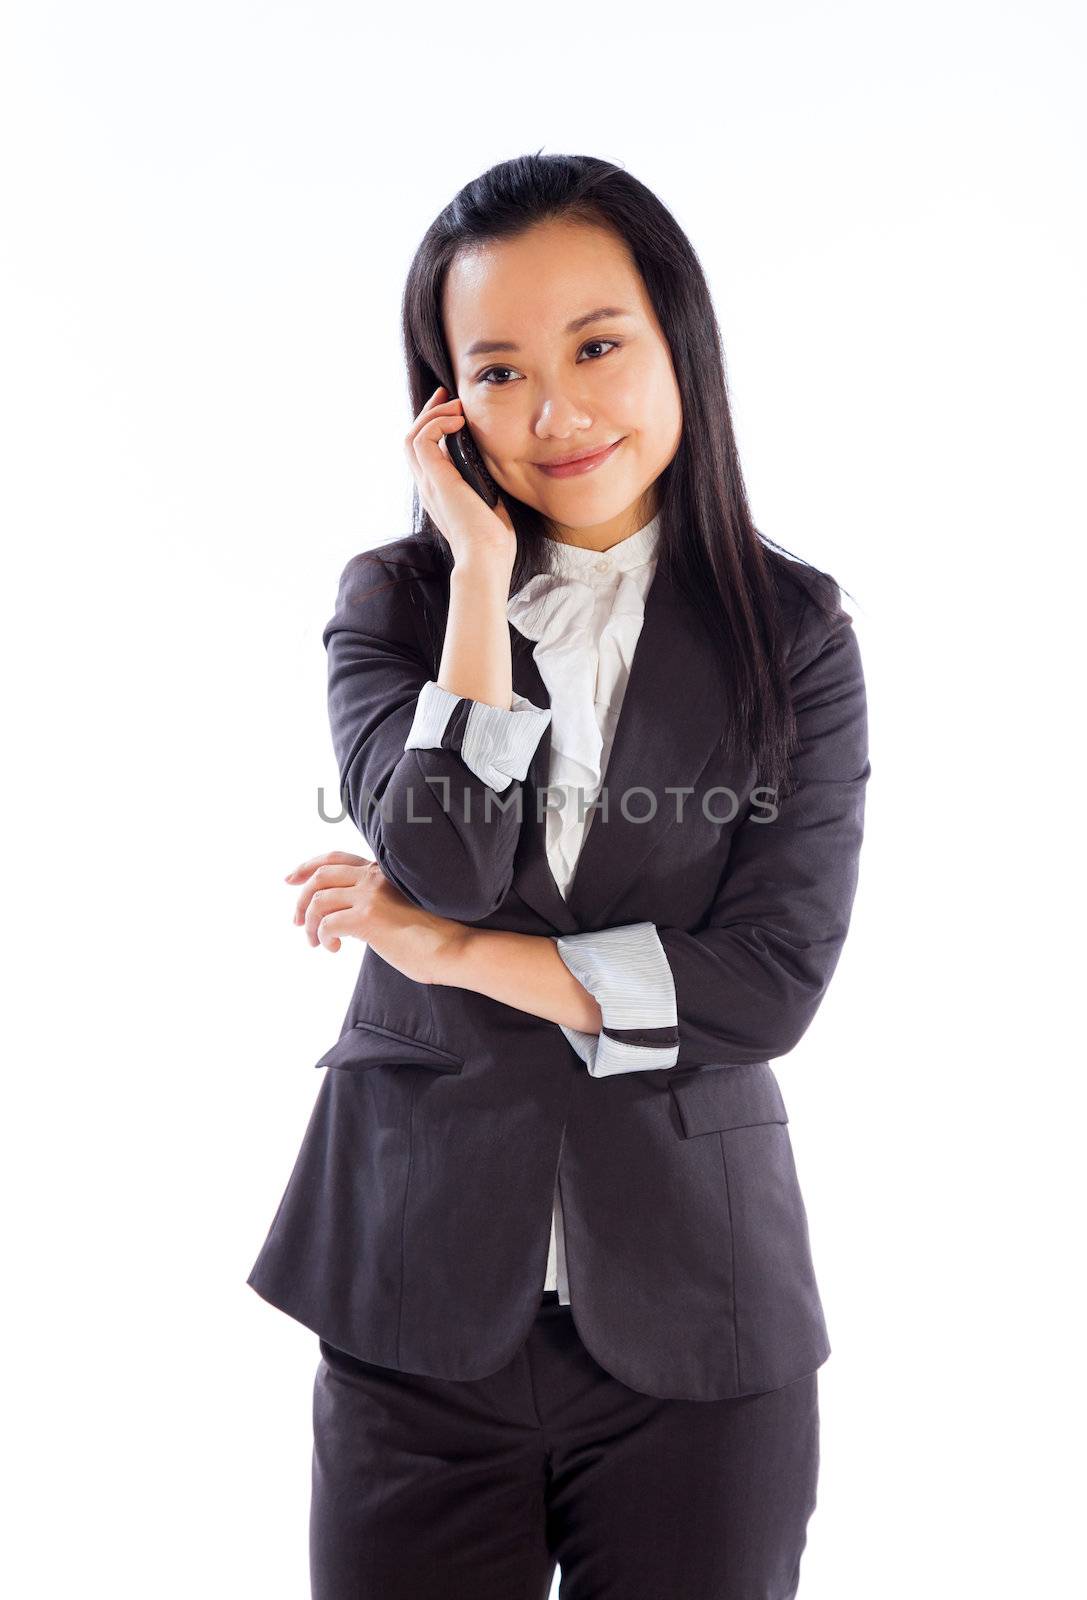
<point x="465" y="456"/>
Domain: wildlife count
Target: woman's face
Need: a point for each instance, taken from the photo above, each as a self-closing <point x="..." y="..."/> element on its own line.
<point x="544" y="388"/>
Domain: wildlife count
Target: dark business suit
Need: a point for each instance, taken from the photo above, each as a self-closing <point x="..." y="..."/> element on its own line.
<point x="413" y="1231"/>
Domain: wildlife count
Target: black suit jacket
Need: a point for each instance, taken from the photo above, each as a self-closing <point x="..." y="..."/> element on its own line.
<point x="414" y="1228"/>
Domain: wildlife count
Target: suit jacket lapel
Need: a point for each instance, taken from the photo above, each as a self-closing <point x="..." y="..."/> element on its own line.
<point x="669" y="724"/>
<point x="533" y="879"/>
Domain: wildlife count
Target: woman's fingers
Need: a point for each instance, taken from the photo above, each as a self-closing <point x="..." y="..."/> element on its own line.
<point x="431" y="437"/>
<point x="332" y="927"/>
<point x="434" y="410"/>
<point x="345" y="873"/>
<point x="331" y="858"/>
<point x="464" y="517"/>
<point x="324" y="903"/>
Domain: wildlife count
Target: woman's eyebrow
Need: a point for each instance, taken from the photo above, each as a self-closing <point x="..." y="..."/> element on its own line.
<point x="484" y="347"/>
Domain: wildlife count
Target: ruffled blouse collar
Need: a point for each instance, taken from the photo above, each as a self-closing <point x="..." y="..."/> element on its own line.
<point x="585" y="618"/>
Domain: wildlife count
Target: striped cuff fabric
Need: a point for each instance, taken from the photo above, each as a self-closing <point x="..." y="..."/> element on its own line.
<point x="496" y="744"/>
<point x="627" y="973"/>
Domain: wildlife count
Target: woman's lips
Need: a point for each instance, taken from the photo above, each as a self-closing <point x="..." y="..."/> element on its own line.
<point x="574" y="469"/>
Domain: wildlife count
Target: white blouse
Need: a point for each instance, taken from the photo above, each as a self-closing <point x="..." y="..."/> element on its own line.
<point x="585" y="618"/>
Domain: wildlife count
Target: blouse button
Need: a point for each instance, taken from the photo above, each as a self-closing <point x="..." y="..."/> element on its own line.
<point x="603" y="565"/>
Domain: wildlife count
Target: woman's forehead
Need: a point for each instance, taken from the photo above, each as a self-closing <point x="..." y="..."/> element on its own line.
<point x="503" y="295"/>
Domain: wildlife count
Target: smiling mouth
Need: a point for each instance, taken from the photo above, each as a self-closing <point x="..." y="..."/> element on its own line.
<point x="585" y="462"/>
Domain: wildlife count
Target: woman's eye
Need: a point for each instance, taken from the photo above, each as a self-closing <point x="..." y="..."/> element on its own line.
<point x="484" y="377"/>
<point x="598" y="342"/>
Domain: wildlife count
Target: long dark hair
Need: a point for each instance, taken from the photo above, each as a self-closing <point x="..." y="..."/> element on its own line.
<point x="709" y="545"/>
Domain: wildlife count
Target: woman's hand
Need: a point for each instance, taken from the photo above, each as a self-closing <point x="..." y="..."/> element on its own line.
<point x="467" y="521"/>
<point x="347" y="897"/>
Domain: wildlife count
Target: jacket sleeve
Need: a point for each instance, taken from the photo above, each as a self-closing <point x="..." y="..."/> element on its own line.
<point x="745" y="987"/>
<point x="422" y="769"/>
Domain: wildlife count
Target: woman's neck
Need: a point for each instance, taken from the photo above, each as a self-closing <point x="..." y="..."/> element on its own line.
<point x="605" y="534"/>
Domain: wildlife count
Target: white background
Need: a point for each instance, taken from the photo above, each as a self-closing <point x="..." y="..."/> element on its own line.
<point x="208" y="214"/>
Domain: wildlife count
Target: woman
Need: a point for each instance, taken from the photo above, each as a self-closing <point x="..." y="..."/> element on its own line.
<point x="545" y="1218"/>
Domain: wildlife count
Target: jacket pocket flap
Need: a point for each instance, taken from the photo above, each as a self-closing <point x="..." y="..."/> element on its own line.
<point x="368" y="1044"/>
<point x="728" y="1097"/>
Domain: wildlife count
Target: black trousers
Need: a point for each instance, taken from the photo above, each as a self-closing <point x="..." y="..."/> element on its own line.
<point x="434" y="1489"/>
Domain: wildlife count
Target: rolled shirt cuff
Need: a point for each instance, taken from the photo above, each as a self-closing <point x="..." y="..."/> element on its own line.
<point x="626" y="971"/>
<point x="495" y="744"/>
